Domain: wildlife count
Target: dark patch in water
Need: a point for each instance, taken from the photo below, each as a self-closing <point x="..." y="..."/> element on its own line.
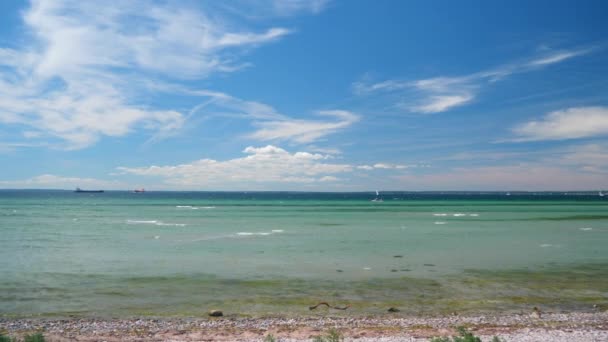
<point x="429" y="265"/>
<point x="397" y="256"/>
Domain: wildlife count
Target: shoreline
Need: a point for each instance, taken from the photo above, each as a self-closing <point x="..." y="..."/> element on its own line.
<point x="573" y="326"/>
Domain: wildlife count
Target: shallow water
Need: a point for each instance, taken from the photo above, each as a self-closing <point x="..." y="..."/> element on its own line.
<point x="176" y="253"/>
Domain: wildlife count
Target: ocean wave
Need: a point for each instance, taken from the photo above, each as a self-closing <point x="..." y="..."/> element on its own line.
<point x="274" y="231"/>
<point x="191" y="207"/>
<point x="440" y="222"/>
<point x="156" y="223"/>
<point x="250" y="233"/>
<point x="142" y="221"/>
<point x="475" y="215"/>
<point x="171" y="224"/>
<point x="440" y="214"/>
<point x="459" y="214"/>
<point x="586" y="229"/>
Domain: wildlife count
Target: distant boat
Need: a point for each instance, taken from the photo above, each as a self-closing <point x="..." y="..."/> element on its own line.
<point x="139" y="190"/>
<point x="378" y="198"/>
<point x="87" y="191"/>
<point x="601" y="194"/>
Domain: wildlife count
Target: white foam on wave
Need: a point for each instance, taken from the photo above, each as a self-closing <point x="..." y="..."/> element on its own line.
<point x="171" y="224"/>
<point x="440" y="214"/>
<point x="545" y="245"/>
<point x="156" y="237"/>
<point x="156" y="223"/>
<point x="142" y="221"/>
<point x="586" y="229"/>
<point x="475" y="215"/>
<point x="367" y="268"/>
<point x="191" y="207"/>
<point x="274" y="231"/>
<point x="459" y="214"/>
<point x="440" y="222"/>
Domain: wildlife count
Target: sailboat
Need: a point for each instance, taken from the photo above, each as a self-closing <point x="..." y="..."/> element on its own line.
<point x="378" y="198"/>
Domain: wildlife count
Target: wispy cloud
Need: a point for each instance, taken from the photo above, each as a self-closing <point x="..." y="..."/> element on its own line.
<point x="575" y="167"/>
<point x="271" y="125"/>
<point x="304" y="131"/>
<point x="557" y="57"/>
<point x="79" y="76"/>
<point x="527" y="177"/>
<point x="273" y="8"/>
<point x="571" y="123"/>
<point x="48" y="181"/>
<point x="443" y="93"/>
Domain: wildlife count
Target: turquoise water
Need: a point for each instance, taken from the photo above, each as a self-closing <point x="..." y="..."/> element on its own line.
<point x="179" y="254"/>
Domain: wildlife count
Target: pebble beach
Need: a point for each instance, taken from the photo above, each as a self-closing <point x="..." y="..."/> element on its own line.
<point x="515" y="327"/>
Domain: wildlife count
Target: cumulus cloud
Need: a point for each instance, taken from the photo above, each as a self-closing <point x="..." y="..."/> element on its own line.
<point x="261" y="165"/>
<point x="383" y="166"/>
<point x="80" y="75"/>
<point x="571" y="123"/>
<point x="440" y="94"/>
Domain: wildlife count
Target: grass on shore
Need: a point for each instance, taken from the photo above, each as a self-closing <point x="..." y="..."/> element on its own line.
<point x="37" y="337"/>
<point x="464" y="336"/>
<point x="334" y="336"/>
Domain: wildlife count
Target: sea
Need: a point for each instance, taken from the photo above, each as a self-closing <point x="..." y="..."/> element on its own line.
<point x="180" y="254"/>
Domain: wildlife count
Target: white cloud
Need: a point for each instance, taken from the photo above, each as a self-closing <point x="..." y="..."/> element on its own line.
<point x="528" y="177"/>
<point x="82" y="71"/>
<point x="571" y="123"/>
<point x="261" y="166"/>
<point x="48" y="181"/>
<point x="557" y="57"/>
<point x="303" y="131"/>
<point x="384" y="166"/>
<point x="437" y="104"/>
<point x="577" y="167"/>
<point x="270" y="124"/>
<point x="440" y="94"/>
<point x="287" y="7"/>
<point x="587" y="157"/>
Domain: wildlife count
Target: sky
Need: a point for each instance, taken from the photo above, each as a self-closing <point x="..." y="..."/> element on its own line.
<point x="295" y="95"/>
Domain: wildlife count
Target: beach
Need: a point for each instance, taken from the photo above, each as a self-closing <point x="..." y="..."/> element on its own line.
<point x="522" y="327"/>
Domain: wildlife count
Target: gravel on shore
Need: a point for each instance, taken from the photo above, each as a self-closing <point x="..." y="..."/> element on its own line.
<point x="513" y="327"/>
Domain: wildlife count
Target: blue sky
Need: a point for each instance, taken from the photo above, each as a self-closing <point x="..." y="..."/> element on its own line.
<point x="304" y="95"/>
